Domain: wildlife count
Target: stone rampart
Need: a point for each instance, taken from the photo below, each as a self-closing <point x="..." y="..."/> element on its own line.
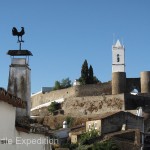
<point x="91" y="105"/>
<point x="41" y="98"/>
<point x="76" y="91"/>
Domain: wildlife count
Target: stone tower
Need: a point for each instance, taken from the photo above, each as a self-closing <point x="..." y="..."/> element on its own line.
<point x="118" y="69"/>
<point x="19" y="78"/>
<point x="118" y="57"/>
<point x="145" y="82"/>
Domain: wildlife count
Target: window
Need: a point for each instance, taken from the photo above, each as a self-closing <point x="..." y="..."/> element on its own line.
<point x="118" y="58"/>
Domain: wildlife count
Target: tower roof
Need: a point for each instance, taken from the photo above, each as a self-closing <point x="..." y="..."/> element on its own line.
<point x="118" y="44"/>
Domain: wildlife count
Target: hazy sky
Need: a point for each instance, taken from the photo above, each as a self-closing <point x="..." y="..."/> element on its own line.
<point x="61" y="34"/>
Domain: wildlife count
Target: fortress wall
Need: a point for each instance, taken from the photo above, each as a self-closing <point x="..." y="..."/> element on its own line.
<point x="133" y="83"/>
<point x="92" y="105"/>
<point x="41" y="98"/>
<point x="135" y="101"/>
<point x="93" y="89"/>
<point x="76" y="91"/>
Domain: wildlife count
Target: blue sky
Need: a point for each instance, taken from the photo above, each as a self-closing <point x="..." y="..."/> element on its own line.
<point x="61" y="34"/>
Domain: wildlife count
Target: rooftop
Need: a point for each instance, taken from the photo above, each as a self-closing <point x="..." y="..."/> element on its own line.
<point x="11" y="99"/>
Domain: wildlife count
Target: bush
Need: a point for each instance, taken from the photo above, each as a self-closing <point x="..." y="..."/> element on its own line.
<point x="107" y="145"/>
<point x="53" y="107"/>
<point x="85" y="137"/>
<point x="70" y="121"/>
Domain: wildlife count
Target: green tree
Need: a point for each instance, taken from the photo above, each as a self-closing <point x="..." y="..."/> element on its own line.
<point x="90" y="78"/>
<point x="87" y="75"/>
<point x="95" y="80"/>
<point x="57" y="85"/>
<point x="84" y="73"/>
<point x="65" y="83"/>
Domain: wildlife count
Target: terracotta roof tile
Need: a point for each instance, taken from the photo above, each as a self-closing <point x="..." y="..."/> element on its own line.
<point x="11" y="99"/>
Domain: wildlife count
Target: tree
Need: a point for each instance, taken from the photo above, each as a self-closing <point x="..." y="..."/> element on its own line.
<point x="87" y="75"/>
<point x="84" y="73"/>
<point x="65" y="83"/>
<point x="57" y="85"/>
<point x="91" y="78"/>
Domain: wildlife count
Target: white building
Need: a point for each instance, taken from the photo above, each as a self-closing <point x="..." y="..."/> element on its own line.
<point x="18" y="135"/>
<point x="118" y="57"/>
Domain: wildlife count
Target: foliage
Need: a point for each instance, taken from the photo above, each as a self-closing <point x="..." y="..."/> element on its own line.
<point x="85" y="137"/>
<point x="90" y="78"/>
<point x="65" y="83"/>
<point x="53" y="107"/>
<point x="106" y="145"/>
<point x="84" y="73"/>
<point x="57" y="85"/>
<point x="87" y="75"/>
<point x="70" y="121"/>
<point x="70" y="146"/>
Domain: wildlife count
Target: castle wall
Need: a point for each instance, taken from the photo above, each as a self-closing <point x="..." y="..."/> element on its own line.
<point x="91" y="105"/>
<point x="40" y="98"/>
<point x="76" y="91"/>
<point x="133" y="83"/>
<point x="135" y="101"/>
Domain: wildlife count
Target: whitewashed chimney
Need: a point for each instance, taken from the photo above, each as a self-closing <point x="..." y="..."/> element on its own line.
<point x="19" y="83"/>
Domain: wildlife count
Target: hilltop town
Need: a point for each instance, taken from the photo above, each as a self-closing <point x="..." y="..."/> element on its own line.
<point x="110" y="115"/>
<point x="117" y="109"/>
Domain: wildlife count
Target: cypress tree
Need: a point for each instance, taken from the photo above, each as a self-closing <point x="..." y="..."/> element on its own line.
<point x="90" y="79"/>
<point x="84" y="73"/>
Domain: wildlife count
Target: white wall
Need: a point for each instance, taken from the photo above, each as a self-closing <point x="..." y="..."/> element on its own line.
<point x="33" y="141"/>
<point x="16" y="140"/>
<point x="7" y="120"/>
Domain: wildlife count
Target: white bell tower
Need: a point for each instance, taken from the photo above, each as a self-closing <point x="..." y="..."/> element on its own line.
<point x="118" y="57"/>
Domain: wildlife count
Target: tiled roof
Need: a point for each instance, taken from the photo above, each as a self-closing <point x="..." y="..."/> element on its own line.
<point x="11" y="99"/>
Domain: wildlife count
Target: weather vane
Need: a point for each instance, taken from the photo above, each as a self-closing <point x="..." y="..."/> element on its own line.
<point x="19" y="34"/>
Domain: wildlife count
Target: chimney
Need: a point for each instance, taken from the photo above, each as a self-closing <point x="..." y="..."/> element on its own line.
<point x="19" y="83"/>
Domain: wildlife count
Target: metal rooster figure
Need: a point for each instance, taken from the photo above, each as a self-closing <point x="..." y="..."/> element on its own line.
<point x="19" y="34"/>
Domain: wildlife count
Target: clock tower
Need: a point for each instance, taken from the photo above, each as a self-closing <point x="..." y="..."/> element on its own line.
<point x="118" y="57"/>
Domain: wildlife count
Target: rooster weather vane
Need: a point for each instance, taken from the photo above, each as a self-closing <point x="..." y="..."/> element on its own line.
<point x="19" y="34"/>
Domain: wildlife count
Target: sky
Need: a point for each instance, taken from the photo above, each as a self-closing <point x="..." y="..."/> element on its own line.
<point x="61" y="34"/>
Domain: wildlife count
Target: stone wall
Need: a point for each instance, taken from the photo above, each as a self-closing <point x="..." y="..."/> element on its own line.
<point x="76" y="91"/>
<point x="113" y="123"/>
<point x="38" y="99"/>
<point x="92" y="105"/>
<point x="135" y="101"/>
<point x="132" y="83"/>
